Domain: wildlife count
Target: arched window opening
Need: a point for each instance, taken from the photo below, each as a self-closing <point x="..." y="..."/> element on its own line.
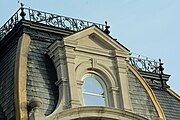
<point x="94" y="91"/>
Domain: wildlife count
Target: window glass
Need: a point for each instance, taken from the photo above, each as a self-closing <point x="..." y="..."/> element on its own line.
<point x="90" y="100"/>
<point x="93" y="91"/>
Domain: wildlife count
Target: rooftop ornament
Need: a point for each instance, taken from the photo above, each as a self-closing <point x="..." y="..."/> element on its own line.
<point x="107" y="29"/>
<point x="22" y="14"/>
<point x="146" y="64"/>
<point x="161" y="69"/>
<point x="47" y="19"/>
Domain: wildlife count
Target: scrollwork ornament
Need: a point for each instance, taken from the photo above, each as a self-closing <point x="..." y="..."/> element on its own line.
<point x="144" y="64"/>
<point x="45" y="18"/>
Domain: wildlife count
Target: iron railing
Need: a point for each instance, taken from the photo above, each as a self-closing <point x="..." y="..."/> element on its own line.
<point x="146" y="64"/>
<point x="47" y="19"/>
<point x="8" y="26"/>
<point x="140" y="63"/>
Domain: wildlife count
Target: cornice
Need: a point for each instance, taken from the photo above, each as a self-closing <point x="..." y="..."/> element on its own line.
<point x="97" y="112"/>
<point x="46" y="28"/>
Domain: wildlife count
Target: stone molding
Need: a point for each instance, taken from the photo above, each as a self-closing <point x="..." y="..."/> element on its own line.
<point x="20" y="77"/>
<point x="95" y="112"/>
<point x="108" y="78"/>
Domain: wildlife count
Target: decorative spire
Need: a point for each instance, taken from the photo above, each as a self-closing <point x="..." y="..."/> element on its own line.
<point x="107" y="27"/>
<point x="22" y="14"/>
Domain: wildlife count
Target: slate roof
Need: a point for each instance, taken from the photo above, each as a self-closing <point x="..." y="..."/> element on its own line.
<point x="141" y="103"/>
<point x="169" y="104"/>
<point x="2" y="115"/>
<point x="7" y="65"/>
<point x="41" y="76"/>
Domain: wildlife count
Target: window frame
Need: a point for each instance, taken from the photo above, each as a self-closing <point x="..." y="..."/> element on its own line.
<point x="103" y="85"/>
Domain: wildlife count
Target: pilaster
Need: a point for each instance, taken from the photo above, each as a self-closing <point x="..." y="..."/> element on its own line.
<point x="116" y="101"/>
<point x="121" y="69"/>
<point x="63" y="57"/>
<point x="57" y="54"/>
<point x="70" y="59"/>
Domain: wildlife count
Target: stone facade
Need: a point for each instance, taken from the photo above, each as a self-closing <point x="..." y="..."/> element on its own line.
<point x="74" y="58"/>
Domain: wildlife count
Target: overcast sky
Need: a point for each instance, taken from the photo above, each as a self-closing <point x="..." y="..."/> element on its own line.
<point x="147" y="27"/>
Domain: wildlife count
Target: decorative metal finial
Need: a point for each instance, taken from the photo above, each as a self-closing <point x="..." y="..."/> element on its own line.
<point x="161" y="69"/>
<point x="107" y="27"/>
<point x="22" y="4"/>
<point x="22" y="14"/>
<point x="161" y="72"/>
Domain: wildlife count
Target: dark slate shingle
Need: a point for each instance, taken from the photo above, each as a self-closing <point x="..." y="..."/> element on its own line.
<point x="169" y="104"/>
<point x="41" y="76"/>
<point x="2" y="115"/>
<point x="7" y="64"/>
<point x="141" y="102"/>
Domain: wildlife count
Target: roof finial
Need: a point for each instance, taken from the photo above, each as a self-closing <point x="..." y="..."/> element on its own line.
<point x="21" y="4"/>
<point x="22" y="14"/>
<point x="161" y="72"/>
<point x="160" y="66"/>
<point x="107" y="27"/>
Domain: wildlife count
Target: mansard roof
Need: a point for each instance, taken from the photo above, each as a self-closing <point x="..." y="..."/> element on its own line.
<point x="170" y="103"/>
<point x="43" y="33"/>
<point x="168" y="99"/>
<point x="2" y="115"/>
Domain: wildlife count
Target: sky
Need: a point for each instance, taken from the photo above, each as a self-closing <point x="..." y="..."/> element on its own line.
<point x="150" y="28"/>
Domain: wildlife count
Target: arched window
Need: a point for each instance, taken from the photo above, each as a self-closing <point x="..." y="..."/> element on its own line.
<point x="94" y="91"/>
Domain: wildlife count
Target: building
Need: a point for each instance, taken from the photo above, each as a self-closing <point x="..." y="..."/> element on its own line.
<point x="59" y="68"/>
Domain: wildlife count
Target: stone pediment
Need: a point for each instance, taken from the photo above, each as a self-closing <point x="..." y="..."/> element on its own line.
<point x="94" y="38"/>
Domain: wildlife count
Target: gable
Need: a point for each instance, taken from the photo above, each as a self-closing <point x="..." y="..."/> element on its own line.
<point x="94" y="42"/>
<point x="95" y="38"/>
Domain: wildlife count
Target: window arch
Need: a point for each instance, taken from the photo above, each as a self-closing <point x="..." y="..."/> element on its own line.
<point x="94" y="91"/>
